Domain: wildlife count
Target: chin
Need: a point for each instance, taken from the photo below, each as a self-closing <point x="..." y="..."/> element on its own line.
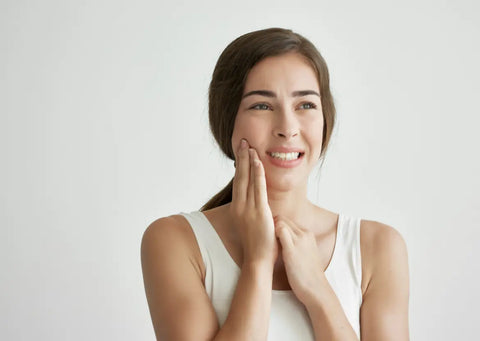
<point x="284" y="183"/>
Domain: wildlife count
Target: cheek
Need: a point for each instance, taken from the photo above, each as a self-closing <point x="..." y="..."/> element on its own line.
<point x="314" y="131"/>
<point x="247" y="128"/>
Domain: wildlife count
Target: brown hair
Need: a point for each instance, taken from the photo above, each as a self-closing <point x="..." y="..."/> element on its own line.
<point x="228" y="81"/>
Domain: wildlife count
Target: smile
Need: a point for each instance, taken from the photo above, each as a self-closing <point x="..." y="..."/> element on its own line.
<point x="285" y="160"/>
<point x="285" y="156"/>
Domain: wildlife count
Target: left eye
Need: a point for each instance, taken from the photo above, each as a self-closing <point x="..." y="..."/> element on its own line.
<point x="308" y="105"/>
<point x="260" y="106"/>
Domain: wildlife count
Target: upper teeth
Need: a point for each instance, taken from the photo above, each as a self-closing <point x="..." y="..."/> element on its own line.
<point x="285" y="156"/>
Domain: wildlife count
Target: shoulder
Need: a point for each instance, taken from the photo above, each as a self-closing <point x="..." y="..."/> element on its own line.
<point x="169" y="237"/>
<point x="384" y="310"/>
<point x="379" y="235"/>
<point x="381" y="246"/>
<point x="173" y="282"/>
<point x="165" y="230"/>
<point x="167" y="226"/>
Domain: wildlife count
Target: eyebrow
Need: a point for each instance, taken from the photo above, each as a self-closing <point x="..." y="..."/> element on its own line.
<point x="268" y="93"/>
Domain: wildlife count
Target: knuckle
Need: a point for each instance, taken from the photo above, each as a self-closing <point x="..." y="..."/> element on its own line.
<point x="283" y="231"/>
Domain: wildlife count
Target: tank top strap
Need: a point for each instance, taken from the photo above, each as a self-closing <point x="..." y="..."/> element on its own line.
<point x="349" y="245"/>
<point x="221" y="273"/>
<point x="208" y="240"/>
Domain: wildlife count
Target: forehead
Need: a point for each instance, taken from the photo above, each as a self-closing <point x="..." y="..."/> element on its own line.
<point x="290" y="71"/>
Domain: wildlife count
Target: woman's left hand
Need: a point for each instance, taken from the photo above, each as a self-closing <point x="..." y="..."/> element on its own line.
<point x="301" y="258"/>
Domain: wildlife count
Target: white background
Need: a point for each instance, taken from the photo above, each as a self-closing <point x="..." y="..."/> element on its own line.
<point x="104" y="129"/>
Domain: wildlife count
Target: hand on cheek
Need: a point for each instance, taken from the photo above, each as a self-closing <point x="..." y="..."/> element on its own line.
<point x="249" y="209"/>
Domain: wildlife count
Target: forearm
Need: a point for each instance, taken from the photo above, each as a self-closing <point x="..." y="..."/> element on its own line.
<point x="327" y="316"/>
<point x="249" y="314"/>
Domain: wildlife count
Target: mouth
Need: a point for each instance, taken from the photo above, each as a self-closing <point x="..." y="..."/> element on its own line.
<point x="285" y="160"/>
<point x="286" y="156"/>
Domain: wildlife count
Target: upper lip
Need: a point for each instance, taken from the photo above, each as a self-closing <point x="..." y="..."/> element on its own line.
<point x="282" y="149"/>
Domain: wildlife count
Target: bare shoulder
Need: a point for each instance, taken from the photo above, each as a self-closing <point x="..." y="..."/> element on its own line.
<point x="381" y="245"/>
<point x="385" y="288"/>
<point x="173" y="224"/>
<point x="173" y="281"/>
<point x="164" y="233"/>
<point x="171" y="234"/>
<point x="378" y="234"/>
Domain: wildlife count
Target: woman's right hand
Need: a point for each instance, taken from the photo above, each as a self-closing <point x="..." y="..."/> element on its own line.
<point x="251" y="214"/>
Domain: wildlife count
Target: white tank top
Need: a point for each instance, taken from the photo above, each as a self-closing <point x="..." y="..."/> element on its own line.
<point x="289" y="320"/>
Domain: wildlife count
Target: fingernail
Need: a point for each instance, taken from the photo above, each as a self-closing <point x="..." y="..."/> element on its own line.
<point x="243" y="144"/>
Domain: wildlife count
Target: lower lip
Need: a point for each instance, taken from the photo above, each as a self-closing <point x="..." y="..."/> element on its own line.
<point x="285" y="163"/>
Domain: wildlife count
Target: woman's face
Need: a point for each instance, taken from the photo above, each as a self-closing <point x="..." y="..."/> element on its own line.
<point x="280" y="115"/>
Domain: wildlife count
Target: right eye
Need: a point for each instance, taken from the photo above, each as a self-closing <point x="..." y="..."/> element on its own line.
<point x="260" y="106"/>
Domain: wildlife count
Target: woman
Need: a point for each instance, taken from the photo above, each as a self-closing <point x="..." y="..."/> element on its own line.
<point x="260" y="261"/>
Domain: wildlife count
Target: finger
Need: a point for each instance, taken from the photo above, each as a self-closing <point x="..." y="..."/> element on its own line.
<point x="260" y="184"/>
<point x="284" y="234"/>
<point x="250" y="189"/>
<point x="240" y="180"/>
<point x="292" y="225"/>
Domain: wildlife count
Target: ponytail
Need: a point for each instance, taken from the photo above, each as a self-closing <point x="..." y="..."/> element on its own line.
<point x="221" y="198"/>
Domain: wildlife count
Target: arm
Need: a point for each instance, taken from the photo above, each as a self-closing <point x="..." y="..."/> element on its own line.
<point x="309" y="283"/>
<point x="384" y="310"/>
<point x="179" y="305"/>
<point x="249" y="313"/>
<point x="328" y="318"/>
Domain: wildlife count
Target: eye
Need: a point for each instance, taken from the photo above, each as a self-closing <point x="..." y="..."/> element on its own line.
<point x="308" y="105"/>
<point x="260" y="106"/>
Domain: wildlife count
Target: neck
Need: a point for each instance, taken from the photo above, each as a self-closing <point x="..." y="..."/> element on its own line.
<point x="292" y="204"/>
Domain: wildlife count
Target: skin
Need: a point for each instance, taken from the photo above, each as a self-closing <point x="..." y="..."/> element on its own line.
<point x="287" y="118"/>
<point x="277" y="237"/>
<point x="283" y="120"/>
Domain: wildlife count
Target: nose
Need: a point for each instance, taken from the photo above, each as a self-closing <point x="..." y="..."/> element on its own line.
<point x="286" y="124"/>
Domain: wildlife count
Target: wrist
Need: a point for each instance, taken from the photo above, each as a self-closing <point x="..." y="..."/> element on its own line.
<point x="316" y="296"/>
<point x="257" y="266"/>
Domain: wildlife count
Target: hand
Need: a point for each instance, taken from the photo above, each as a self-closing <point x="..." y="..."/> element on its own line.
<point x="249" y="209"/>
<point x="301" y="258"/>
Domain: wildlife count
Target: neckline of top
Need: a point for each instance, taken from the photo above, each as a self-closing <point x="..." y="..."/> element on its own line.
<point x="230" y="259"/>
